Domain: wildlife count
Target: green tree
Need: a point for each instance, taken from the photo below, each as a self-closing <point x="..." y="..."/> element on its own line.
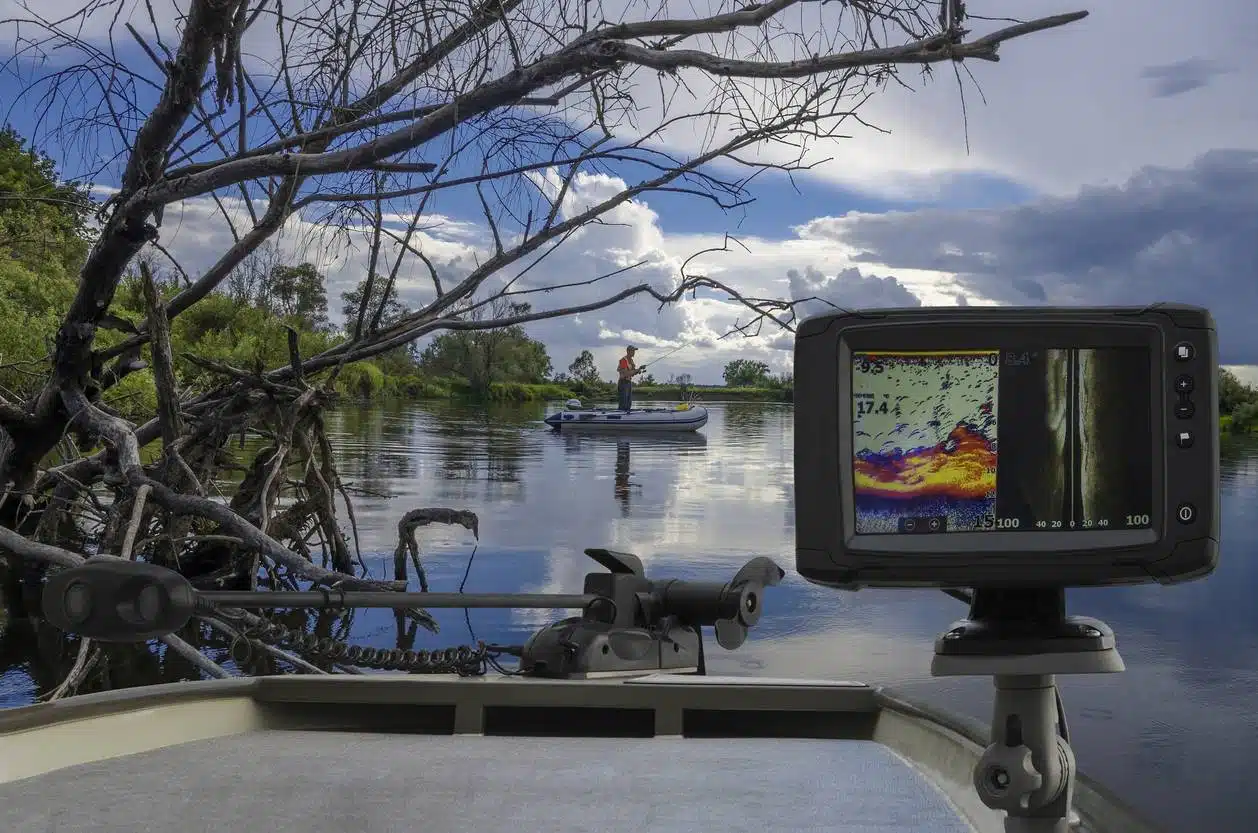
<point x="352" y="299"/>
<point x="1233" y="392"/>
<point x="745" y="373"/>
<point x="298" y="292"/>
<point x="583" y="369"/>
<point x="1245" y="417"/>
<point x="483" y="357"/>
<point x="42" y="219"/>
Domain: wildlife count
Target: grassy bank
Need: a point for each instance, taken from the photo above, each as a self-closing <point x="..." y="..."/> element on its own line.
<point x="419" y="388"/>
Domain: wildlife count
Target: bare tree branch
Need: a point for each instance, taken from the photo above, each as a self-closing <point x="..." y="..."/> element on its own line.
<point x="352" y="119"/>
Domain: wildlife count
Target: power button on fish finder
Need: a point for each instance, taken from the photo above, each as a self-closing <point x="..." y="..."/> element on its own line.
<point x="1186" y="513"/>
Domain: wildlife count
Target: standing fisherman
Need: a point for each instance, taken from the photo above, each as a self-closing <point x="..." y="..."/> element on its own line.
<point x="626" y="370"/>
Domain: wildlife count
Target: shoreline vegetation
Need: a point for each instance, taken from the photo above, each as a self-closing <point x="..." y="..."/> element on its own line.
<point x="1238" y="404"/>
<point x="453" y="388"/>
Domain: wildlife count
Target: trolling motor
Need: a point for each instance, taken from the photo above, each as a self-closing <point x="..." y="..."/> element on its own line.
<point x="629" y="624"/>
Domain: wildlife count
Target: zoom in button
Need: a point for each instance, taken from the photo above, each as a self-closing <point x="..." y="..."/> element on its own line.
<point x="1186" y="513"/>
<point x="1183" y="384"/>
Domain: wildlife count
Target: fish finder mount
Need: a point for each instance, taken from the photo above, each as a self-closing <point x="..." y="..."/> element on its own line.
<point x="1022" y="638"/>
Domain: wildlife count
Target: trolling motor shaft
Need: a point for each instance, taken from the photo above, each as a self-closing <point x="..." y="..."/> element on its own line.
<point x="628" y="623"/>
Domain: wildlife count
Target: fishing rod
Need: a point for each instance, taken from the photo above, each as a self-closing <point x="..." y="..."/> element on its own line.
<point x="665" y="356"/>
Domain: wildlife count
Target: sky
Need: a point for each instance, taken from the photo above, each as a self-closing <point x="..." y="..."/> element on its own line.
<point x="1111" y="161"/>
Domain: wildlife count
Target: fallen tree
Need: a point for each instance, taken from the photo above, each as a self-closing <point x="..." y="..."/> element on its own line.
<point x="352" y="114"/>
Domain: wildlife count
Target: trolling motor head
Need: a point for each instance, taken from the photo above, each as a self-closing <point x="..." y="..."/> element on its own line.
<point x="629" y="623"/>
<point x="637" y="625"/>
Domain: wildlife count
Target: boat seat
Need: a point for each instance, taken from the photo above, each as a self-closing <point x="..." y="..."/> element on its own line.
<point x="334" y="782"/>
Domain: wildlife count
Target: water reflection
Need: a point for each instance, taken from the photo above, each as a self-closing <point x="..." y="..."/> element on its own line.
<point x="699" y="505"/>
<point x="622" y="475"/>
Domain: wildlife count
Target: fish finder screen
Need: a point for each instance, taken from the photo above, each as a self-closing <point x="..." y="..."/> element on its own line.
<point x="1004" y="440"/>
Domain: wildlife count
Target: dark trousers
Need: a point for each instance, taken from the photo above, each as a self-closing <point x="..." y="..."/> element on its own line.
<point x="624" y="393"/>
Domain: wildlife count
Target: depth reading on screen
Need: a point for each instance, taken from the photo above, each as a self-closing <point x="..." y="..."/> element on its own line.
<point x="1002" y="440"/>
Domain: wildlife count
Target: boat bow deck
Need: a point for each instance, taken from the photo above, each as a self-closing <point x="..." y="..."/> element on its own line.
<point x="395" y="753"/>
<point x="332" y="782"/>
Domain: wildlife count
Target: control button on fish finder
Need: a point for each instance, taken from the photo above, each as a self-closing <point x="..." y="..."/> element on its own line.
<point x="1183" y="439"/>
<point x="910" y="525"/>
<point x="1186" y="513"/>
<point x="1184" y="352"/>
<point x="933" y="524"/>
<point x="1184" y="409"/>
<point x="1183" y="384"/>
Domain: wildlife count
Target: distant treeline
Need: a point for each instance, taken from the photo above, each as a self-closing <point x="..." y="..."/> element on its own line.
<point x="1238" y="403"/>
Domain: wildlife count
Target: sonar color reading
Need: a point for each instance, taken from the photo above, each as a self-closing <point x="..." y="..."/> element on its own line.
<point x="925" y="440"/>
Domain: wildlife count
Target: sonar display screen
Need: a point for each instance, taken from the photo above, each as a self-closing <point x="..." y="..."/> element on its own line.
<point x="1008" y="440"/>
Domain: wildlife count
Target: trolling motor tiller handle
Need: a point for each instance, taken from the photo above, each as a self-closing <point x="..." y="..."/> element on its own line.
<point x="629" y="623"/>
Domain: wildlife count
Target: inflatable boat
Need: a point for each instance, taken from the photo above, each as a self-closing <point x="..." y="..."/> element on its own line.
<point x="574" y="417"/>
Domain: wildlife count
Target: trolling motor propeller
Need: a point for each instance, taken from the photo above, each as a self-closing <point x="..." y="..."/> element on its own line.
<point x="628" y="624"/>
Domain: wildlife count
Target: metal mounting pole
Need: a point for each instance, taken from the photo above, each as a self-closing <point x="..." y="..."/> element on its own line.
<point x="1021" y="638"/>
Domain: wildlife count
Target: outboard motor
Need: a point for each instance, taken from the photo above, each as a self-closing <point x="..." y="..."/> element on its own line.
<point x="573" y="404"/>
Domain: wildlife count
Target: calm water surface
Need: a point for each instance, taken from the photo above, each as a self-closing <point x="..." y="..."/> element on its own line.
<point x="1177" y="734"/>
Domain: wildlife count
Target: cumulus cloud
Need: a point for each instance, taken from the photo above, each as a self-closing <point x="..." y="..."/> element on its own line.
<point x="1188" y="235"/>
<point x="630" y="247"/>
<point x="849" y="289"/>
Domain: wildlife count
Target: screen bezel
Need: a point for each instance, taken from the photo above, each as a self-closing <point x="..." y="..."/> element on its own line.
<point x="1008" y="334"/>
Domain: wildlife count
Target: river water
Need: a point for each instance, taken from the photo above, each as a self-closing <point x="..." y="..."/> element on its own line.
<point x="1176" y="734"/>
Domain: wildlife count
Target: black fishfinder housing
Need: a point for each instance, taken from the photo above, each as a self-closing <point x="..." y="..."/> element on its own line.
<point x="1006" y="446"/>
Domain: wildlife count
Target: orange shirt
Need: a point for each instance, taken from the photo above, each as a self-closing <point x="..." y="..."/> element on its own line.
<point x="626" y="366"/>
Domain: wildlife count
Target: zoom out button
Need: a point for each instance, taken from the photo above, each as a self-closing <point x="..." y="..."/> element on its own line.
<point x="1186" y="513"/>
<point x="1184" y="409"/>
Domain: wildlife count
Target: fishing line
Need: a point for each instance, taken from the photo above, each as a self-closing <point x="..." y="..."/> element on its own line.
<point x="665" y="356"/>
<point x="467" y="613"/>
<point x="490" y="658"/>
<point x="468" y="571"/>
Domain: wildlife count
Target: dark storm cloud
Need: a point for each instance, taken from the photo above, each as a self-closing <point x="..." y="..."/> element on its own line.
<point x="1188" y="235"/>
<point x="1182" y="76"/>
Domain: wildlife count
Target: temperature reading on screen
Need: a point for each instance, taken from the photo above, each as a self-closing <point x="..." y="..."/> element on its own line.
<point x="1001" y="440"/>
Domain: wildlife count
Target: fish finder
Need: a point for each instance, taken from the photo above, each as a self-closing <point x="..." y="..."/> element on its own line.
<point x="1006" y="446"/>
